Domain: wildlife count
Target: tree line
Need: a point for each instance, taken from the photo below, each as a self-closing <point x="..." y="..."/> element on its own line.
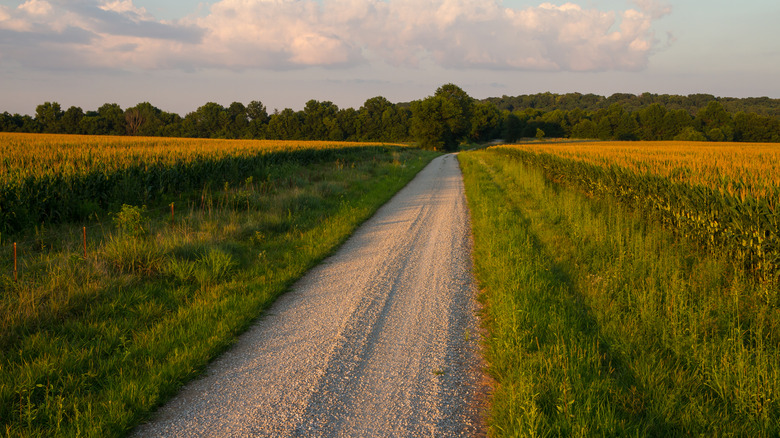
<point x="440" y="121"/>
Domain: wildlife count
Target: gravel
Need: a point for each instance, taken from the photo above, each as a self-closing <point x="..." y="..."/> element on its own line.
<point x="381" y="339"/>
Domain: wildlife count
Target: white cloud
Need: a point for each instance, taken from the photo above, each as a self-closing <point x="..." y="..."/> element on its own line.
<point x="655" y="8"/>
<point x="36" y="7"/>
<point x="283" y="34"/>
<point x="126" y="7"/>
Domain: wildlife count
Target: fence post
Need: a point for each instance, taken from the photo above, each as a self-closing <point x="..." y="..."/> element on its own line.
<point x="172" y="218"/>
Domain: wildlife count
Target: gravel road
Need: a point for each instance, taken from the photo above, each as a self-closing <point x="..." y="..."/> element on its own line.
<point x="381" y="339"/>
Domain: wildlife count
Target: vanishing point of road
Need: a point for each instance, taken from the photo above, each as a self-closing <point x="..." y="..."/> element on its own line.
<point x="379" y="340"/>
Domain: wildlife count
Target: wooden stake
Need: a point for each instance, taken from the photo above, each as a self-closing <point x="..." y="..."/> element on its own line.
<point x="15" y="277"/>
<point x="85" y="243"/>
<point x="171" y="213"/>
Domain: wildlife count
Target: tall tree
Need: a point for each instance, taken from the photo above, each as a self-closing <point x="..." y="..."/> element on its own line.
<point x="207" y="121"/>
<point x="72" y="119"/>
<point x="513" y="127"/>
<point x="319" y="120"/>
<point x="651" y="122"/>
<point x="238" y="121"/>
<point x="485" y="122"/>
<point x="371" y="125"/>
<point x="715" y="122"/>
<point x="258" y="119"/>
<point x="111" y="119"/>
<point x="48" y="116"/>
<point x="286" y="125"/>
<point x="460" y="108"/>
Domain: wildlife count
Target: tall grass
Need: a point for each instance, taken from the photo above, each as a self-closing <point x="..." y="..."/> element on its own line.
<point x="602" y="322"/>
<point x="735" y="217"/>
<point x="91" y="347"/>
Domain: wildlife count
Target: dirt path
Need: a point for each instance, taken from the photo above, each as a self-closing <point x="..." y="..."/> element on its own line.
<point x="381" y="339"/>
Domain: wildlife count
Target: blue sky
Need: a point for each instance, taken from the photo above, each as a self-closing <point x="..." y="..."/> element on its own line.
<point x="180" y="54"/>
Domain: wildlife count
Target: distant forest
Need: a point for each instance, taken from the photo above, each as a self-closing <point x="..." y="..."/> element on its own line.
<point x="440" y="121"/>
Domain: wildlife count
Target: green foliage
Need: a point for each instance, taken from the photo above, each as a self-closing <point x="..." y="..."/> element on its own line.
<point x="48" y="115"/>
<point x="618" y="117"/>
<point x="458" y="111"/>
<point x="486" y="122"/>
<point x="690" y="134"/>
<point x="131" y="220"/>
<point x="440" y="121"/>
<point x="429" y="125"/>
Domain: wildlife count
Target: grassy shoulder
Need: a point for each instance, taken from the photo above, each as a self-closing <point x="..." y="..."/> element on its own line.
<point x="602" y="323"/>
<point x="91" y="347"/>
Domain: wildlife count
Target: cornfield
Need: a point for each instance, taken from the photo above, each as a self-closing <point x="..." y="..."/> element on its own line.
<point x="723" y="195"/>
<point x="60" y="178"/>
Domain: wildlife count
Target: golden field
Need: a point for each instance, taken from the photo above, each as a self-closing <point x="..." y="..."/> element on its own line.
<point x="738" y="169"/>
<point x="31" y="154"/>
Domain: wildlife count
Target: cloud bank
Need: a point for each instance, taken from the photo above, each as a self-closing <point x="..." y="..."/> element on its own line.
<point x="287" y="34"/>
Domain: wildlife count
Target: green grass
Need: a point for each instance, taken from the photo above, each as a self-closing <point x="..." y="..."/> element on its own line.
<point x="91" y="347"/>
<point x="602" y="322"/>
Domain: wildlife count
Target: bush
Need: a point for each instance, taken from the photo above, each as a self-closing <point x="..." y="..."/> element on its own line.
<point x="131" y="220"/>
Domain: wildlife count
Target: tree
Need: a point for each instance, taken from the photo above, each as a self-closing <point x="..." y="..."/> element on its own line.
<point x="675" y="121"/>
<point x="430" y="127"/>
<point x="460" y="108"/>
<point x="395" y="121"/>
<point x="133" y="120"/>
<point x="111" y="120"/>
<point x="285" y="125"/>
<point x="440" y="121"/>
<point x="615" y="123"/>
<point x="48" y="116"/>
<point x="513" y="127"/>
<point x="237" y="125"/>
<point x="715" y="122"/>
<point x="319" y="120"/>
<point x="258" y="119"/>
<point x="585" y="128"/>
<point x="257" y="112"/>
<point x="756" y="128"/>
<point x="145" y="119"/>
<point x="371" y="125"/>
<point x="689" y="133"/>
<point x="485" y="122"/>
<point x="651" y="122"/>
<point x="348" y="121"/>
<point x="72" y="119"/>
<point x="207" y="121"/>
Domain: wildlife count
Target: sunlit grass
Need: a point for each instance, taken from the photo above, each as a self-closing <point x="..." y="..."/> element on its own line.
<point x="602" y="322"/>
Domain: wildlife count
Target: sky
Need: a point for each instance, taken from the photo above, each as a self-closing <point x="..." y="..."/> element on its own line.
<point x="180" y="54"/>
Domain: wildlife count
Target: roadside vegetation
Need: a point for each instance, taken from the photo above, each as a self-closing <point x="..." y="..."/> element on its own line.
<point x="91" y="345"/>
<point x="611" y="311"/>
